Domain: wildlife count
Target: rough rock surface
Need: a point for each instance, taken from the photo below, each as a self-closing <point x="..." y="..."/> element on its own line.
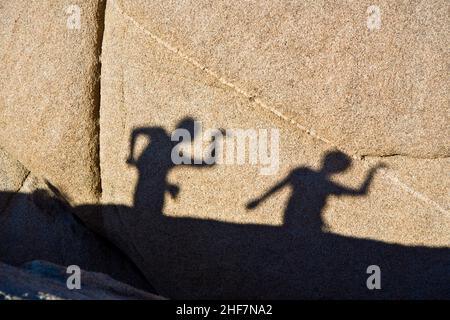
<point x="427" y="178"/>
<point x="315" y="235"/>
<point x="363" y="120"/>
<point x="36" y="222"/>
<point x="41" y="280"/>
<point x="12" y="175"/>
<point x="49" y="91"/>
<point x="381" y="91"/>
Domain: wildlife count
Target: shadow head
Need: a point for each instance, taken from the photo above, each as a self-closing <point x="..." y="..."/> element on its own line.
<point x="336" y="161"/>
<point x="188" y="123"/>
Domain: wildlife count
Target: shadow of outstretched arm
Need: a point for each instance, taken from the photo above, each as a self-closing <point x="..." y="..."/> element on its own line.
<point x="254" y="203"/>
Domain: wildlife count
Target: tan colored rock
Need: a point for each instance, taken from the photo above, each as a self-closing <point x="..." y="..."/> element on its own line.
<point x="193" y="230"/>
<point x="12" y="175"/>
<point x="379" y="92"/>
<point x="49" y="90"/>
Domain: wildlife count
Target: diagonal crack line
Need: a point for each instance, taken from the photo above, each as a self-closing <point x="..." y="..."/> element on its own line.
<point x="222" y="80"/>
<point x="256" y="101"/>
<point x="101" y="10"/>
<point x="392" y="155"/>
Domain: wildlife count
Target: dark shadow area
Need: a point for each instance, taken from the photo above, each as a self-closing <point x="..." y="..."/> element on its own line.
<point x="193" y="258"/>
<point x="41" y="226"/>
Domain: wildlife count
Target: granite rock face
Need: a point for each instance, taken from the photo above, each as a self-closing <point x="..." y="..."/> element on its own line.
<point x="380" y="90"/>
<point x="212" y="225"/>
<point x="12" y="175"/>
<point x="49" y="90"/>
<point x="351" y="97"/>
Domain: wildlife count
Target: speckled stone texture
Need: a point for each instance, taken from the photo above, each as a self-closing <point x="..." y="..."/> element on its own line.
<point x="49" y="91"/>
<point x="376" y="92"/>
<point x="362" y="114"/>
<point x="309" y="72"/>
<point x="12" y="175"/>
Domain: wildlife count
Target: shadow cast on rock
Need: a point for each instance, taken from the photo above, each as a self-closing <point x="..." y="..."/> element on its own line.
<point x="195" y="258"/>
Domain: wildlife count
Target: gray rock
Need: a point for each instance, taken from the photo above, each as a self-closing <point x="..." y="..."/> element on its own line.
<point x="39" y="225"/>
<point x="41" y="280"/>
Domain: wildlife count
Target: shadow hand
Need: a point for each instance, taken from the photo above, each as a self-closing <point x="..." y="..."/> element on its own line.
<point x="252" y="204"/>
<point x="174" y="190"/>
